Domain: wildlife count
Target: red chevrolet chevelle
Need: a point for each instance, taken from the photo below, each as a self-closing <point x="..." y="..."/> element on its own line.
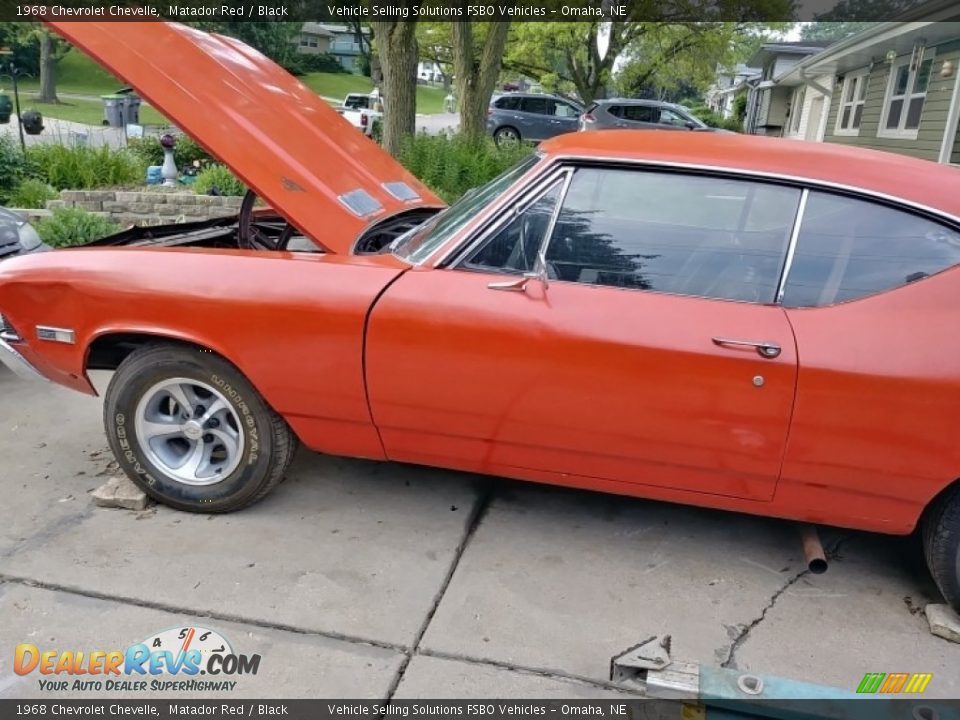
<point x="744" y="323"/>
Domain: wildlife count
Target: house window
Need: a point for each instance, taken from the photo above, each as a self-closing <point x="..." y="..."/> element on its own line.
<point x="906" y="94"/>
<point x="796" y="109"/>
<point x="853" y="96"/>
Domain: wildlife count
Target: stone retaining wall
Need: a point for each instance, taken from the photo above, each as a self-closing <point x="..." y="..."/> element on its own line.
<point x="147" y="207"/>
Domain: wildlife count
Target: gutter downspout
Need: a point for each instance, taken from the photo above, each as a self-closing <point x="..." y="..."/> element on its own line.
<point x="953" y="120"/>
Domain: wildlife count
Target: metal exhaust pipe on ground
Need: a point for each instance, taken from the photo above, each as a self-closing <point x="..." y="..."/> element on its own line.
<point x="813" y="550"/>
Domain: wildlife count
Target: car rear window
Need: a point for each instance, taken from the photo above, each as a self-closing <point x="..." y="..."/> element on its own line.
<point x="508" y="103"/>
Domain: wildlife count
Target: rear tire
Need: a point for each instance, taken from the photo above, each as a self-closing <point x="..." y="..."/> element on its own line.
<point x="192" y="432"/>
<point x="941" y="544"/>
<point x="506" y="136"/>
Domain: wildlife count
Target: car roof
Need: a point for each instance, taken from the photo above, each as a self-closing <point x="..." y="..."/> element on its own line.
<point x="920" y="182"/>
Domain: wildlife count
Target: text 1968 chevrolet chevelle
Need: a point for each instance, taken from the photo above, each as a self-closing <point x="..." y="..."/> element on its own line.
<point x="744" y="323"/>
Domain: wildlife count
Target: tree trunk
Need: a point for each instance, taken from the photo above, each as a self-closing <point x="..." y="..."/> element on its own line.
<point x="398" y="51"/>
<point x="48" y="70"/>
<point x="476" y="77"/>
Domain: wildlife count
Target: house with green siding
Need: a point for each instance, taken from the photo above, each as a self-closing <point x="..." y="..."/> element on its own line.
<point x="893" y="87"/>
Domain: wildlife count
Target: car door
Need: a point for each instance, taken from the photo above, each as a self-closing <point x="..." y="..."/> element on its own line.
<point x="652" y="355"/>
<point x="534" y="118"/>
<point x="564" y="117"/>
<point x="872" y="296"/>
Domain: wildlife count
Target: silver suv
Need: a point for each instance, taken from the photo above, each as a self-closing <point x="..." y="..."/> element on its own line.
<point x="639" y="114"/>
<point x="526" y="116"/>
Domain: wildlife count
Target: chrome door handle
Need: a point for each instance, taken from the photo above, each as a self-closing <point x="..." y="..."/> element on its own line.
<point x="767" y="350"/>
<point x="518" y="285"/>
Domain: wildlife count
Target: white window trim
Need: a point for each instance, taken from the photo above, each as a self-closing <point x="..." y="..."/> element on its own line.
<point x="852" y="77"/>
<point x="904" y="134"/>
<point x="797" y="102"/>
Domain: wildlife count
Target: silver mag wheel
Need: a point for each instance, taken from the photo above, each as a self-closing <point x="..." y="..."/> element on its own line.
<point x="190" y="431"/>
<point x="507" y="136"/>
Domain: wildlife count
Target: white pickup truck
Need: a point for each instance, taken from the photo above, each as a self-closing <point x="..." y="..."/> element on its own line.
<point x="362" y="110"/>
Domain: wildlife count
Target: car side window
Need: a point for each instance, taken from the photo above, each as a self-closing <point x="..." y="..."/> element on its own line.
<point x="514" y="248"/>
<point x="850" y="248"/>
<point x="508" y="103"/>
<point x="669" y="117"/>
<point x="536" y="105"/>
<point x="671" y="232"/>
<point x="641" y="113"/>
<point x="562" y="109"/>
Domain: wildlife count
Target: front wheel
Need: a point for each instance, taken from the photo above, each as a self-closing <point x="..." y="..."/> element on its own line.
<point x="941" y="544"/>
<point x="192" y="432"/>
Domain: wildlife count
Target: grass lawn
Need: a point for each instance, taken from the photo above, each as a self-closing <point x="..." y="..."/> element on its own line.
<point x="89" y="112"/>
<point x="78" y="74"/>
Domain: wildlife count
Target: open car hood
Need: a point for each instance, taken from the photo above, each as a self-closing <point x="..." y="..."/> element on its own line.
<point x="278" y="136"/>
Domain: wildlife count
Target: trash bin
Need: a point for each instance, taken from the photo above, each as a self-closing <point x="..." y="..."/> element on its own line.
<point x="6" y="108"/>
<point x="113" y="109"/>
<point x="131" y="109"/>
<point x="32" y="122"/>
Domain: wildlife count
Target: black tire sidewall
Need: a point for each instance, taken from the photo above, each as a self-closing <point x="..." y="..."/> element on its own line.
<point x="141" y="372"/>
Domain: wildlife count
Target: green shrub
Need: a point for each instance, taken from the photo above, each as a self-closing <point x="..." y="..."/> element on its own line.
<point x="72" y="226"/>
<point x="452" y="164"/>
<point x="218" y="180"/>
<point x="12" y="167"/>
<point x="83" y="168"/>
<point x="321" y="62"/>
<point x="185" y="151"/>
<point x="32" y="193"/>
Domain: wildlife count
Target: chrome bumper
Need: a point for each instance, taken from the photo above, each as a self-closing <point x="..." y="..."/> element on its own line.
<point x="16" y="362"/>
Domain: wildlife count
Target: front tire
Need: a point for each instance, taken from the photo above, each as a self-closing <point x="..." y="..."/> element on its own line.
<point x="192" y="432"/>
<point x="941" y="544"/>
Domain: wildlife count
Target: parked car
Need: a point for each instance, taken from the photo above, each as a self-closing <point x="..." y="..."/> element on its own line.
<point x="745" y="323"/>
<point x="638" y="115"/>
<point x="526" y="116"/>
<point x="17" y="236"/>
<point x="362" y="111"/>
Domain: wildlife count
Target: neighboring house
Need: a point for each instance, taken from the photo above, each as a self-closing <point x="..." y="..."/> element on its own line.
<point x="768" y="103"/>
<point x="727" y="86"/>
<point x="345" y="45"/>
<point x="894" y="86"/>
<point x="429" y="71"/>
<point x="314" y="39"/>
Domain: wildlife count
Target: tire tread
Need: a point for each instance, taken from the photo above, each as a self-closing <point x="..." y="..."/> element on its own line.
<point x="941" y="544"/>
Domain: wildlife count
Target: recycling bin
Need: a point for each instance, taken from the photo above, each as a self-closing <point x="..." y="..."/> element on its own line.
<point x="6" y="109"/>
<point x="131" y="109"/>
<point x="113" y="109"/>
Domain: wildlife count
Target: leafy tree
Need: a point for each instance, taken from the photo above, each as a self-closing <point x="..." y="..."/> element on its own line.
<point x="33" y="38"/>
<point x="273" y="39"/>
<point x="831" y="30"/>
<point x="668" y="45"/>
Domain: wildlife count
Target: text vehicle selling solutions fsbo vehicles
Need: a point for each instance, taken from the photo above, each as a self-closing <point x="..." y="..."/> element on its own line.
<point x="735" y="322"/>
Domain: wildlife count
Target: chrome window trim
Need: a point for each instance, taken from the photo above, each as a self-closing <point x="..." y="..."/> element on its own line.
<point x="791" y="247"/>
<point x="805" y="183"/>
<point x="522" y="200"/>
<point x="548" y="235"/>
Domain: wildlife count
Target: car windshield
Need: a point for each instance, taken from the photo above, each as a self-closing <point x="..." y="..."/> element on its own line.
<point x="419" y="244"/>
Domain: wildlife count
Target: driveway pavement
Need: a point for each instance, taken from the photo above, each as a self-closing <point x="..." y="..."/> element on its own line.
<point x="358" y="579"/>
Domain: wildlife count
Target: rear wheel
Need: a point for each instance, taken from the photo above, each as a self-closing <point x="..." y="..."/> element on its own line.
<point x="941" y="544"/>
<point x="506" y="136"/>
<point x="192" y="432"/>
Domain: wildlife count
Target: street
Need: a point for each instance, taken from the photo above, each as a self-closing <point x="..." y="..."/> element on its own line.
<point x="366" y="580"/>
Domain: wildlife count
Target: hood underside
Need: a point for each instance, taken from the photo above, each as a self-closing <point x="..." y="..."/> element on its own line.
<point x="278" y="136"/>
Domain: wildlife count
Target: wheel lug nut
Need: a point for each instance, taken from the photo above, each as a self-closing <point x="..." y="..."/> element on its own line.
<point x="200" y="409"/>
<point x="213" y="423"/>
<point x="208" y="438"/>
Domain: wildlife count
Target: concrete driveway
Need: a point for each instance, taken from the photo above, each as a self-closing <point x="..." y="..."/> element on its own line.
<point x="357" y="579"/>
